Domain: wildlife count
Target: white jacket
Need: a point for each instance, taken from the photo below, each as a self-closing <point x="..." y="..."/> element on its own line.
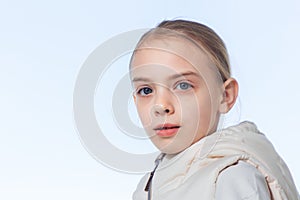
<point x="193" y="173"/>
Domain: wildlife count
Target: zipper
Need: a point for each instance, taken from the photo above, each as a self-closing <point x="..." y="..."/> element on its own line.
<point x="148" y="187"/>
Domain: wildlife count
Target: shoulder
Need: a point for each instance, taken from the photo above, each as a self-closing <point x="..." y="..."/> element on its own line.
<point x="241" y="181"/>
<point x="139" y="192"/>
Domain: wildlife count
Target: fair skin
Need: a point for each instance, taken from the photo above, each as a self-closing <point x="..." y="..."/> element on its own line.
<point x="178" y="93"/>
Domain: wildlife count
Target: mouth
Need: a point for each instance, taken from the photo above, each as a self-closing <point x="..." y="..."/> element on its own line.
<point x="166" y="130"/>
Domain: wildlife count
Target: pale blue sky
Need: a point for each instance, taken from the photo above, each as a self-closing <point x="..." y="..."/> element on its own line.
<point x="44" y="43"/>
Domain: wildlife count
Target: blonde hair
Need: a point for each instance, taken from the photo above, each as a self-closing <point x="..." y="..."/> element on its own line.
<point x="201" y="35"/>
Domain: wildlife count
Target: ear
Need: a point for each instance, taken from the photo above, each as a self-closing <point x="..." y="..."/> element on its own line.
<point x="230" y="93"/>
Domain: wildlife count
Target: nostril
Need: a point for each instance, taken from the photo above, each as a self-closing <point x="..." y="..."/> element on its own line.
<point x="159" y="109"/>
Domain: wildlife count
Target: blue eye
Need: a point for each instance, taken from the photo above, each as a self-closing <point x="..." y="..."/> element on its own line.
<point x="183" y="86"/>
<point x="145" y="91"/>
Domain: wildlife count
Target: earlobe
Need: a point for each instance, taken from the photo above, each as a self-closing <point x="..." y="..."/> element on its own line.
<point x="229" y="95"/>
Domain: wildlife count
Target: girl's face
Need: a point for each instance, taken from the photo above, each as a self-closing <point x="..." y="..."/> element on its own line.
<point x="177" y="102"/>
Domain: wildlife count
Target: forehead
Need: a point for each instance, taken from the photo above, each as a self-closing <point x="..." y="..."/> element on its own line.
<point x="174" y="54"/>
<point x="182" y="47"/>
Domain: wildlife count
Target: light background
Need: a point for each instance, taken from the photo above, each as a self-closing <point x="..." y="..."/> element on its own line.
<point x="44" y="43"/>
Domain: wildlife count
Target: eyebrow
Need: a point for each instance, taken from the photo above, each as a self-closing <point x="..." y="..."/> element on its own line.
<point x="188" y="73"/>
<point x="175" y="76"/>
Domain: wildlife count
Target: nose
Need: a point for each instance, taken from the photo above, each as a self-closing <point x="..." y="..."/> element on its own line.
<point x="164" y="103"/>
<point x="161" y="110"/>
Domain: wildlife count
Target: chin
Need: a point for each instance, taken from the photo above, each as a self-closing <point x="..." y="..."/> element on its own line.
<point x="172" y="149"/>
<point x="171" y="145"/>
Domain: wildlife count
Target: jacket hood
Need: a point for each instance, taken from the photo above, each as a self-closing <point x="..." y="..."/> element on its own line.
<point x="201" y="164"/>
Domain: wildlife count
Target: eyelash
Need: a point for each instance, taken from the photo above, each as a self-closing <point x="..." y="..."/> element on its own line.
<point x="145" y="91"/>
<point x="139" y="91"/>
<point x="183" y="82"/>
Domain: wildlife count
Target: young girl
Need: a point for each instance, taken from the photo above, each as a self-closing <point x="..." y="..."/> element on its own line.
<point x="181" y="77"/>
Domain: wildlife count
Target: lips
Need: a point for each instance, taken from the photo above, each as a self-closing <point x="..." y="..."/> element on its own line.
<point x="166" y="130"/>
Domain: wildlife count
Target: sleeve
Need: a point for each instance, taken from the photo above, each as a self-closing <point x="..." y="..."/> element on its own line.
<point x="241" y="182"/>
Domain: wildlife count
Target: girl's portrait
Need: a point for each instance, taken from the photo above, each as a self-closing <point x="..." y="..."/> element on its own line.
<point x="182" y="85"/>
<point x="149" y="100"/>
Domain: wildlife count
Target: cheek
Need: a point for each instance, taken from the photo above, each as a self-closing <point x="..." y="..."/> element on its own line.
<point x="209" y="111"/>
<point x="195" y="105"/>
<point x="197" y="110"/>
<point x="144" y="112"/>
